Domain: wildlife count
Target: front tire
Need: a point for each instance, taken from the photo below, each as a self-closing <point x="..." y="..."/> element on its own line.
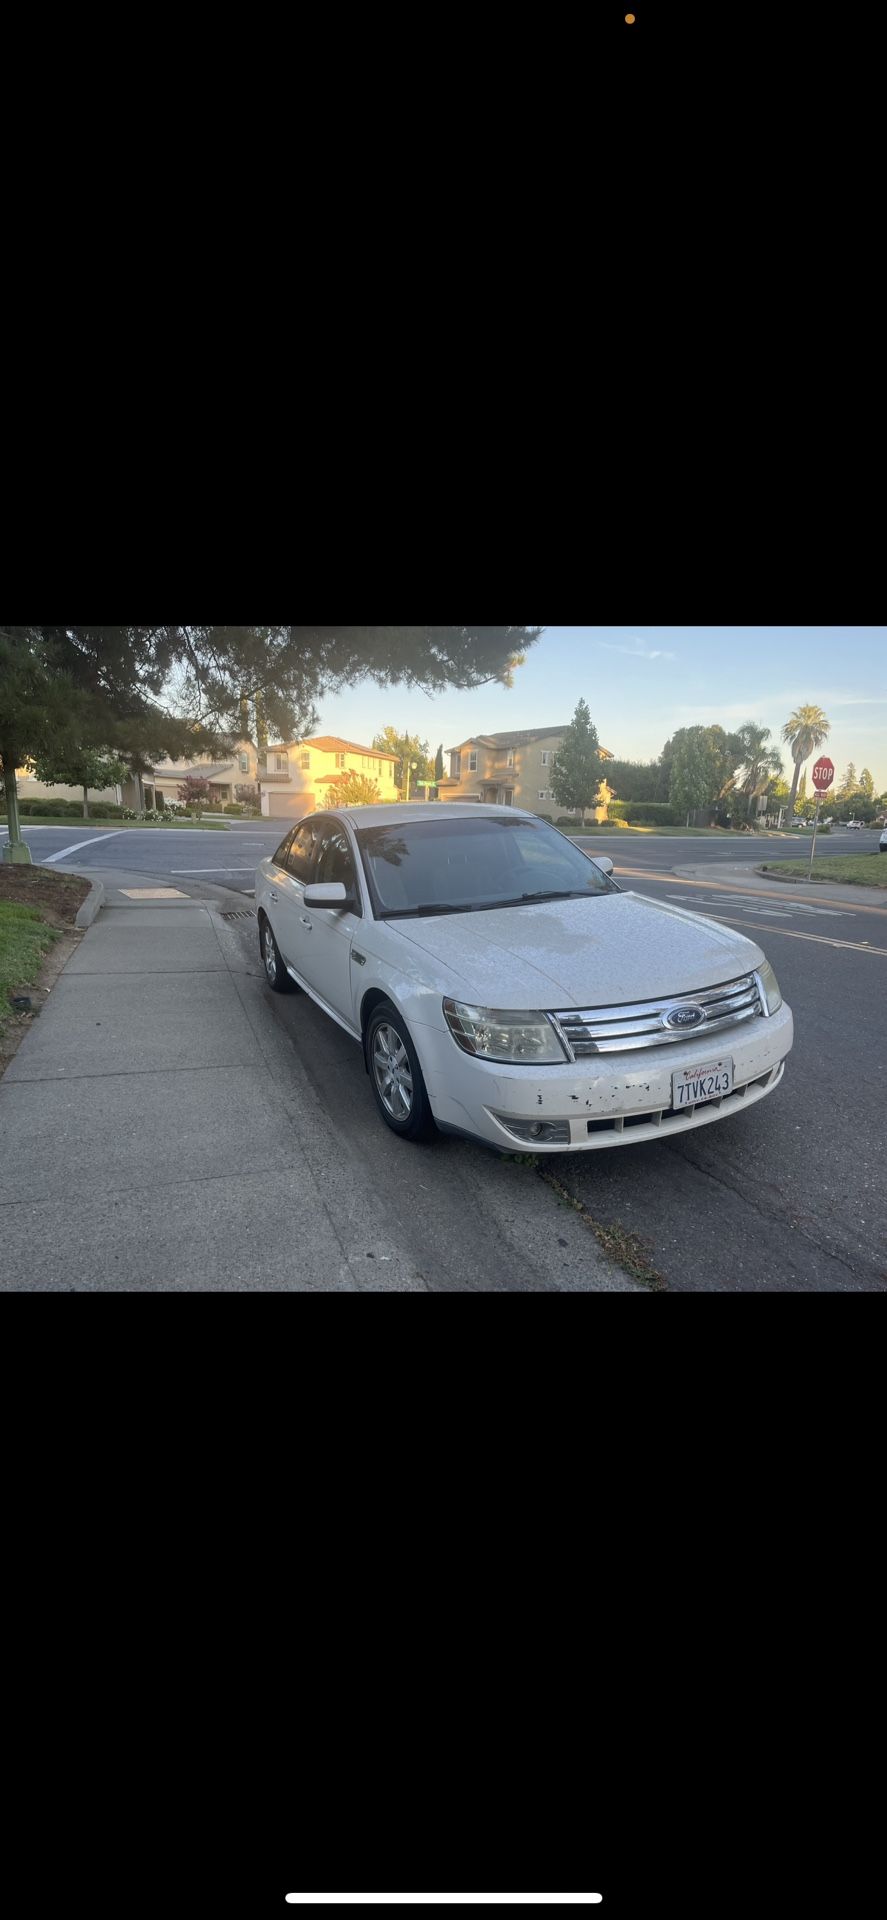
<point x="396" y="1076"/>
<point x="275" y="972"/>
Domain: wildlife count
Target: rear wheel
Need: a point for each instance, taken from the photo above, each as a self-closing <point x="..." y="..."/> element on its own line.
<point x="396" y="1076"/>
<point x="275" y="972"/>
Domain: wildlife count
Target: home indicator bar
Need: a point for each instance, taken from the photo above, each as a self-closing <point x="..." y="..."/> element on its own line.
<point x="444" y="1899"/>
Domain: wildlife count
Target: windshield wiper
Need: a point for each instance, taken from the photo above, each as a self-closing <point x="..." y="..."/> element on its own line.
<point x="561" y="893"/>
<point x="406" y="913"/>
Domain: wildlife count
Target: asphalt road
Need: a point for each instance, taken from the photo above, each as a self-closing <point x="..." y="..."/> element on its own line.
<point x="789" y="1197"/>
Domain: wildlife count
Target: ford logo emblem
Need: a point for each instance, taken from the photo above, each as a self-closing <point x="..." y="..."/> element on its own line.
<point x="683" y="1017"/>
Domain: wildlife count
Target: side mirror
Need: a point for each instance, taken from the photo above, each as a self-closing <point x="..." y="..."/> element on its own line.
<point x="331" y="893"/>
<point x="601" y="860"/>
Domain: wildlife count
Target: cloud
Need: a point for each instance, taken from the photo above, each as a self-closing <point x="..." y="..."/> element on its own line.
<point x="638" y="652"/>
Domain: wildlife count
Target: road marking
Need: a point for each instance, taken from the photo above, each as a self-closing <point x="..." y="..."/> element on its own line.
<point x="212" y="869"/>
<point x="782" y="907"/>
<point x="750" y="893"/>
<point x="789" y="933"/>
<point x="79" y="844"/>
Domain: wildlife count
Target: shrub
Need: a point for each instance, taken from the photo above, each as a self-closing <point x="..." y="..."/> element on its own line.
<point x="565" y="821"/>
<point x="545" y="816"/>
<point x="234" y="807"/>
<point x="645" y="813"/>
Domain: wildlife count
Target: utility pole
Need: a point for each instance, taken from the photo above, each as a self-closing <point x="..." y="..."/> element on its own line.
<point x="406" y="766"/>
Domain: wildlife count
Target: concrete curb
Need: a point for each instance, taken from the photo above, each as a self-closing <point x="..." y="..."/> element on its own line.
<point x="795" y="880"/>
<point x="86" y="914"/>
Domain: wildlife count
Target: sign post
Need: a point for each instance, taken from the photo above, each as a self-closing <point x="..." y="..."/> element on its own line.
<point x="823" y="775"/>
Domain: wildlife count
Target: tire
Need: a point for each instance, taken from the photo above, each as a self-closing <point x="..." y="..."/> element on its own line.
<point x="275" y="972"/>
<point x="396" y="1076"/>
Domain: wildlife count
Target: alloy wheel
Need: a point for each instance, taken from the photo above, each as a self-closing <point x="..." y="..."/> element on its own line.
<point x="392" y="1073"/>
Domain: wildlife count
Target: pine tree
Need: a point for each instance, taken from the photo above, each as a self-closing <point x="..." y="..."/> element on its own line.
<point x="576" y="770"/>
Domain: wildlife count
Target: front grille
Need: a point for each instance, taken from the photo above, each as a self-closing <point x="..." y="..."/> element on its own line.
<point x="591" y="1030"/>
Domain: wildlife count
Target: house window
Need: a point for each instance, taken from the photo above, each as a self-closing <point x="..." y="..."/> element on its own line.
<point x="472" y="761"/>
<point x="244" y="762"/>
<point x="545" y="757"/>
<point x="304" y="761"/>
<point x="510" y="761"/>
<point x="281" y="762"/>
<point x="544" y="793"/>
<point x="455" y="766"/>
<point x="340" y="759"/>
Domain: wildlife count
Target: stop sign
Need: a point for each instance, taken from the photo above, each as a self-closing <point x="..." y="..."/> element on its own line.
<point x="823" y="775"/>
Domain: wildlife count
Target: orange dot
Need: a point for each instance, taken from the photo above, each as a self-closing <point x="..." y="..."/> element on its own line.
<point x="630" y="19"/>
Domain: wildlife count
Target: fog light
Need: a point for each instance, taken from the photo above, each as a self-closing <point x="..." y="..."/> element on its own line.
<point x="552" y="1133"/>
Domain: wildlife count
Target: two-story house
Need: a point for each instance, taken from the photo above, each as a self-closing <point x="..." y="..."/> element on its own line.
<point x="511" y="770"/>
<point x="239" y="769"/>
<point x="297" y="776"/>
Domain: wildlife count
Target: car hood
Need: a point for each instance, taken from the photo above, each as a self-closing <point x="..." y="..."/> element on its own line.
<point x="581" y="953"/>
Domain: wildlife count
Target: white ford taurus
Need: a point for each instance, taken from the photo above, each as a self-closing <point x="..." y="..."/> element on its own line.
<point x="504" y="987"/>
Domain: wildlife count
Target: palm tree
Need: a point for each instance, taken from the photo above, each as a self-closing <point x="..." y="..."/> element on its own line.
<point x="759" y="764"/>
<point x="805" y="730"/>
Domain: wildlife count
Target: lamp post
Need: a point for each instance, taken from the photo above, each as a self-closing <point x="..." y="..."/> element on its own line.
<point x="408" y="765"/>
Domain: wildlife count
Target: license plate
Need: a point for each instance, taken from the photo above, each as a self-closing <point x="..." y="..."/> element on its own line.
<point x="690" y="1086"/>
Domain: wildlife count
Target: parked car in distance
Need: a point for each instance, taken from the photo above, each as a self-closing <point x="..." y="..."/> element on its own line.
<point x="882" y="843"/>
<point x="503" y="987"/>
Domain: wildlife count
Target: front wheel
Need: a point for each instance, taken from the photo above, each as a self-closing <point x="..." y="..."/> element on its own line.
<point x="275" y="972"/>
<point x="396" y="1076"/>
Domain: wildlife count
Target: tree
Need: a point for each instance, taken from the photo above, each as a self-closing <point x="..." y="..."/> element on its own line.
<point x="849" y="785"/>
<point x="759" y="763"/>
<point x="194" y="793"/>
<point x="805" y="730"/>
<point x="352" y="789"/>
<point x="635" y="779"/>
<point x="217" y="674"/>
<point x="407" y="747"/>
<point x="248" y="797"/>
<point x="69" y="765"/>
<point x="690" y="781"/>
<point x="701" y="763"/>
<point x="439" y="765"/>
<point x="866" y="784"/>
<point x="139" y="691"/>
<point x="575" y="772"/>
<point x="39" y="708"/>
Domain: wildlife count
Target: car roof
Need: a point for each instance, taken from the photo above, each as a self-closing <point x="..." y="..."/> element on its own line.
<point x="433" y="810"/>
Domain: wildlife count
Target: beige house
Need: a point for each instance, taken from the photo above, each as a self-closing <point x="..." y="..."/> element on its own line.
<point x="297" y="776"/>
<point x="240" y="769"/>
<point x="125" y="795"/>
<point x="512" y="770"/>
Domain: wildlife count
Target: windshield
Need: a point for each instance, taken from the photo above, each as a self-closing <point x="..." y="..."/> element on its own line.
<point x="461" y="865"/>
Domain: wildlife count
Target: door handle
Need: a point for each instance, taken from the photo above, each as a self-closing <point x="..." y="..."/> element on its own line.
<point x="305" y="921"/>
<point x="272" y="896"/>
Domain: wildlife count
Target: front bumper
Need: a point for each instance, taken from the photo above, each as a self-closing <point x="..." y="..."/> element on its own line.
<point x="609" y="1100"/>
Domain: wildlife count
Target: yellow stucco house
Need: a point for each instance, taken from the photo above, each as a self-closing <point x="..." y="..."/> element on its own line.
<point x="513" y="770"/>
<point x="292" y="777"/>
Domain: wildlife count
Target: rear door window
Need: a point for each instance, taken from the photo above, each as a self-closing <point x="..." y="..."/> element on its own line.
<point x="279" y="858"/>
<point x="302" y="849"/>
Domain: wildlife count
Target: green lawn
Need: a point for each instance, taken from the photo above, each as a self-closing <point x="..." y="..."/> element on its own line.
<point x="864" y="869"/>
<point x="24" y="939"/>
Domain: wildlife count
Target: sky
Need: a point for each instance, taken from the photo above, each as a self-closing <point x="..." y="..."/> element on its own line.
<point x="641" y="683"/>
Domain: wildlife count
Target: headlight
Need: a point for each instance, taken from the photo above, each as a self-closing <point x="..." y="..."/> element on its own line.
<point x="525" y="1038"/>
<point x="770" y="985"/>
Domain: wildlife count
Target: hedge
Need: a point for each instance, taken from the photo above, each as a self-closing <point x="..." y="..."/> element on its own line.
<point x="67" y="809"/>
<point x="645" y="813"/>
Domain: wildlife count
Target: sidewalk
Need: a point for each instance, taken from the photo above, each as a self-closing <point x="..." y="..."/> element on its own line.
<point x="150" y="1140"/>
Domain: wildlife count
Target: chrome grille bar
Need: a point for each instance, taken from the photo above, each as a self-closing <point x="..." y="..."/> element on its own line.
<point x="619" y="1029"/>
